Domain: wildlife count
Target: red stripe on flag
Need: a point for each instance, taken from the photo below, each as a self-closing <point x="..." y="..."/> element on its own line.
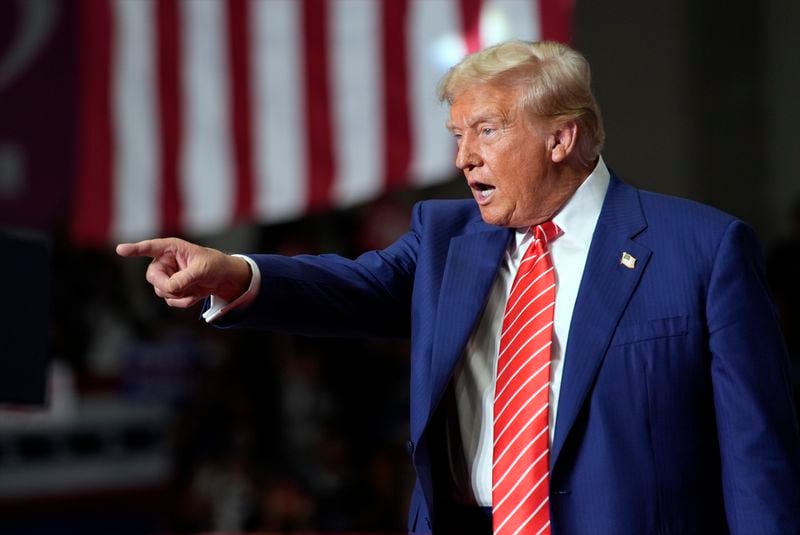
<point x="556" y="17"/>
<point x="318" y="117"/>
<point x="471" y="24"/>
<point x="397" y="127"/>
<point x="239" y="47"/>
<point x="93" y="198"/>
<point x="169" y="100"/>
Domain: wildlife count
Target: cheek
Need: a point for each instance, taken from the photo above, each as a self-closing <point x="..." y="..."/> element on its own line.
<point x="529" y="171"/>
<point x="505" y="166"/>
<point x="518" y="177"/>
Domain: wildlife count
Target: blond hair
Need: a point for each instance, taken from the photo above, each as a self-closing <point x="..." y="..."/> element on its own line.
<point x="556" y="82"/>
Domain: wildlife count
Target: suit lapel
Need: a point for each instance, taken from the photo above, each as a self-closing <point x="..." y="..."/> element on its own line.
<point x="470" y="270"/>
<point x="606" y="288"/>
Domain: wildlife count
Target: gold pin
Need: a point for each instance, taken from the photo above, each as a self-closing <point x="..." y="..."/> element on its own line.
<point x="628" y="260"/>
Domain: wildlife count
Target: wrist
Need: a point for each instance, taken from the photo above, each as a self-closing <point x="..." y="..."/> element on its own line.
<point x="237" y="279"/>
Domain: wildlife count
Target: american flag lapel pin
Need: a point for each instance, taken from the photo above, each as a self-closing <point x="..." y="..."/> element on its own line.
<point x="628" y="260"/>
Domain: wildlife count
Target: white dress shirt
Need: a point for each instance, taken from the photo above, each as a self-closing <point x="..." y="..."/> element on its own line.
<point x="475" y="374"/>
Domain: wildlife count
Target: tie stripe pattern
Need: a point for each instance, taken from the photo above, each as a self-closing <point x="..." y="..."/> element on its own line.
<point x="520" y="469"/>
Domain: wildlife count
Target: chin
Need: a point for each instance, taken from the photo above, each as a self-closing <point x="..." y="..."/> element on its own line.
<point x="491" y="217"/>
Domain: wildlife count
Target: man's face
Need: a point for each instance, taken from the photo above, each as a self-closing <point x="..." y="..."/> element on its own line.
<point x="504" y="155"/>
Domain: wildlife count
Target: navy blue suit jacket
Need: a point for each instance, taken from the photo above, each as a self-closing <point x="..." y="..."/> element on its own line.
<point x="675" y="413"/>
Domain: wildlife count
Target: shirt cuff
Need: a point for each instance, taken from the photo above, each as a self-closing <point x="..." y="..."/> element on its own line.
<point x="218" y="307"/>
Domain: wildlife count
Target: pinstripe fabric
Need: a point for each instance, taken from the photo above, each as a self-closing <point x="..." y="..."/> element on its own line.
<point x="520" y="469"/>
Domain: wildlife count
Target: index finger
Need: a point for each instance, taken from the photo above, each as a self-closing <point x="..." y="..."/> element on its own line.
<point x="151" y="248"/>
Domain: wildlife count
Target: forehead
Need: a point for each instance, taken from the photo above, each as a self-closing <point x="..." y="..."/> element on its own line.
<point x="482" y="101"/>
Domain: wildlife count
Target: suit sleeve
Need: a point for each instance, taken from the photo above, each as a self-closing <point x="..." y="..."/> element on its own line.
<point x="756" y="425"/>
<point x="329" y="295"/>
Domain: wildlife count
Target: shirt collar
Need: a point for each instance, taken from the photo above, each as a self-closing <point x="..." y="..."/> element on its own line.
<point x="578" y="217"/>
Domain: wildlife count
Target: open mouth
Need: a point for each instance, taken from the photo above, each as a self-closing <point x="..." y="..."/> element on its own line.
<point x="482" y="191"/>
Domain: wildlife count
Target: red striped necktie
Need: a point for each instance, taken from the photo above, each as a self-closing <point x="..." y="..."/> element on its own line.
<point x="520" y="469"/>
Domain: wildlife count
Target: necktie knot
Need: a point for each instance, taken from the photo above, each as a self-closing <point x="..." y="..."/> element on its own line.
<point x="546" y="231"/>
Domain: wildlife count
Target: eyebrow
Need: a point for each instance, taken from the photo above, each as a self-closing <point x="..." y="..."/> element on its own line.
<point x="479" y="119"/>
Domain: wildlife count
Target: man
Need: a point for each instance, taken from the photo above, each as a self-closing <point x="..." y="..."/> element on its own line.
<point x="587" y="358"/>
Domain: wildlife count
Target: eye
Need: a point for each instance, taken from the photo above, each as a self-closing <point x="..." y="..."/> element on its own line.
<point x="487" y="131"/>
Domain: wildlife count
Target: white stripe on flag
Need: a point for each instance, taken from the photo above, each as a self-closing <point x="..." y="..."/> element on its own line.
<point x="435" y="44"/>
<point x="206" y="167"/>
<point x="135" y="213"/>
<point x="502" y="20"/>
<point x="278" y="118"/>
<point x="357" y="100"/>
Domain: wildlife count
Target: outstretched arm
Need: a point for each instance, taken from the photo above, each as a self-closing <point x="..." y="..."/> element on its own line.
<point x="325" y="295"/>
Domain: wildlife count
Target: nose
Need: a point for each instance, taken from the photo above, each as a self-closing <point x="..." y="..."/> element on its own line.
<point x="467" y="157"/>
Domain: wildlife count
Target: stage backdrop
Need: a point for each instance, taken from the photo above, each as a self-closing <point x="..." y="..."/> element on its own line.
<point x="195" y="115"/>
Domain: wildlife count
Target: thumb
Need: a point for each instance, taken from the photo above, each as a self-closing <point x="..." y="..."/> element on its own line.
<point x="181" y="281"/>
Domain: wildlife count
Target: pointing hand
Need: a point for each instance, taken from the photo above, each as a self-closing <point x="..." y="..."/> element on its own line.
<point x="183" y="273"/>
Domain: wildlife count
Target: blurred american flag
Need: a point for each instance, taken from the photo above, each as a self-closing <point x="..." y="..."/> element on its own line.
<point x="198" y="114"/>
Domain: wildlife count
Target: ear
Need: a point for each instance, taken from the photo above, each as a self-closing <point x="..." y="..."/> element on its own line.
<point x="563" y="141"/>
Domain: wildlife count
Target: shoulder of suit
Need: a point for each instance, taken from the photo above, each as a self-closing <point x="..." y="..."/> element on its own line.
<point x="450" y="204"/>
<point x="684" y="227"/>
<point x="465" y="209"/>
<point x="680" y="211"/>
<point x="447" y="217"/>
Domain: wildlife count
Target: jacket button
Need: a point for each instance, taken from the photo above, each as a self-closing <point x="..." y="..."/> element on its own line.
<point x="409" y="447"/>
